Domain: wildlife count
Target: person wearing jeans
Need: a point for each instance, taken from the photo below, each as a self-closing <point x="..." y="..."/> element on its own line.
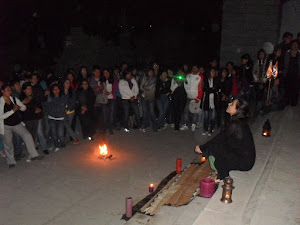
<point x="193" y="88"/>
<point x="33" y="113"/>
<point x="10" y="123"/>
<point x="111" y="88"/>
<point x="129" y="91"/>
<point x="163" y="92"/>
<point x="70" y="96"/>
<point x="148" y="89"/>
<point x="178" y="98"/>
<point x="85" y="107"/>
<point x="210" y="102"/>
<point x="56" y="106"/>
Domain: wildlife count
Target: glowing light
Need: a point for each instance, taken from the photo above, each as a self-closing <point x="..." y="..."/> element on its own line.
<point x="150" y="26"/>
<point x="203" y="159"/>
<point x="103" y="150"/>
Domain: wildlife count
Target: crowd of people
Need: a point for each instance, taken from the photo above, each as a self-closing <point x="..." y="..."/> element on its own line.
<point x="43" y="110"/>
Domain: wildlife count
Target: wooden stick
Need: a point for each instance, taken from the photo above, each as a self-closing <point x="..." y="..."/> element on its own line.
<point x="269" y="90"/>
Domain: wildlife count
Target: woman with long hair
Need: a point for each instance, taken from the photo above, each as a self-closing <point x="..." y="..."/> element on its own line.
<point x="85" y="107"/>
<point x="233" y="148"/>
<point x="10" y="123"/>
<point x="33" y="112"/>
<point x="110" y="90"/>
<point x="70" y="96"/>
<point x="210" y="102"/>
<point x="56" y="106"/>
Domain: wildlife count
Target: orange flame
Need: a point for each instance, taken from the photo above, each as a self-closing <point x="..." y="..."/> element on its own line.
<point x="275" y="70"/>
<point x="270" y="70"/>
<point x="103" y="150"/>
<point x="203" y="159"/>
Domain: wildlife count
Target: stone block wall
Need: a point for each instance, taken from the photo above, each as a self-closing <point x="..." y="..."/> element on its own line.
<point x="247" y="25"/>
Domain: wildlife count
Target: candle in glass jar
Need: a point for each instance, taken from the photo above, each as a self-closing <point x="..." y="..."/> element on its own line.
<point x="151" y="188"/>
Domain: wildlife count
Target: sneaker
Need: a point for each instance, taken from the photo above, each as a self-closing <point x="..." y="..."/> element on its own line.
<point x="56" y="149"/>
<point x="76" y="141"/>
<point x="172" y="125"/>
<point x="28" y="160"/>
<point x="142" y="130"/>
<point x="193" y="127"/>
<point x="126" y="130"/>
<point x="209" y="134"/>
<point x="165" y="126"/>
<point x="204" y="133"/>
<point x="184" y="127"/>
<point x="39" y="157"/>
<point x="50" y="148"/>
<point x="11" y="166"/>
<point x="46" y="152"/>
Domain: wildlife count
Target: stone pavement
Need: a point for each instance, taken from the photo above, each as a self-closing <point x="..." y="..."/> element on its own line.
<point x="269" y="194"/>
<point x="73" y="187"/>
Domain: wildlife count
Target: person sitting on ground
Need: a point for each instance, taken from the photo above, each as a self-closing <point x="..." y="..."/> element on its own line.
<point x="233" y="148"/>
<point x="11" y="122"/>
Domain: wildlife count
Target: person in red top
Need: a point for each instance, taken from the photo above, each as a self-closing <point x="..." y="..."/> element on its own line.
<point x="71" y="77"/>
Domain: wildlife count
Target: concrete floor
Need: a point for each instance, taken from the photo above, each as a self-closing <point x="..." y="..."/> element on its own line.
<point x="74" y="187"/>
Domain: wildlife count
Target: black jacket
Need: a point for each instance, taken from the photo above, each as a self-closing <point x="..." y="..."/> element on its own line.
<point x="207" y="90"/>
<point x="232" y="148"/>
<point x="162" y="87"/>
<point x="85" y="98"/>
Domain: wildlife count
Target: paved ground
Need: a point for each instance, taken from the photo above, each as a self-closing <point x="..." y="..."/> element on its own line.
<point x="74" y="187"/>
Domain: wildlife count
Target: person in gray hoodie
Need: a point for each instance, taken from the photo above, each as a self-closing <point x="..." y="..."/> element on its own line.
<point x="148" y="90"/>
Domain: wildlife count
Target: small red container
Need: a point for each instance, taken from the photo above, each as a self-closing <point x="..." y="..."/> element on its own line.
<point x="207" y="187"/>
<point x="178" y="165"/>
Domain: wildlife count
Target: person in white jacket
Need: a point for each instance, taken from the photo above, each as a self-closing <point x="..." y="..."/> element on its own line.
<point x="10" y="122"/>
<point x="191" y="86"/>
<point x="129" y="91"/>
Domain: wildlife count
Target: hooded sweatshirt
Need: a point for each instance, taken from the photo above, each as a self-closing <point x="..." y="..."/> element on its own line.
<point x="193" y="86"/>
<point x="148" y="88"/>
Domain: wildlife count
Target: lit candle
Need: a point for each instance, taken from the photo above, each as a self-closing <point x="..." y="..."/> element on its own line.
<point x="203" y="159"/>
<point x="178" y="165"/>
<point x="151" y="188"/>
<point x="129" y="207"/>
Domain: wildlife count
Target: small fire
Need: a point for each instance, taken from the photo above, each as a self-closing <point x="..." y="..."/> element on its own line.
<point x="103" y="150"/>
<point x="104" y="153"/>
<point x="203" y="159"/>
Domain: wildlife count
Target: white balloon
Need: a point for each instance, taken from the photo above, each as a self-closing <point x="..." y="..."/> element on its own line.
<point x="268" y="47"/>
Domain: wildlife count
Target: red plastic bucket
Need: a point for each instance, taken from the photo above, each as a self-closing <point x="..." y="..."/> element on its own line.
<point x="207" y="187"/>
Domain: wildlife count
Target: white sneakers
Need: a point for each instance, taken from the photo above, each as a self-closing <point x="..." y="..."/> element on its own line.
<point x="193" y="127"/>
<point x="185" y="127"/>
<point x="126" y="130"/>
<point x="56" y="149"/>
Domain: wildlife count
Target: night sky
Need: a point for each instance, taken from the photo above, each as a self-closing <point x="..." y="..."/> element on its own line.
<point x="24" y="21"/>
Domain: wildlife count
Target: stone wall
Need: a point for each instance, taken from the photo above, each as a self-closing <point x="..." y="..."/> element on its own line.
<point x="247" y="25"/>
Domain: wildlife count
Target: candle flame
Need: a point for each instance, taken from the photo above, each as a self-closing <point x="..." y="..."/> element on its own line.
<point x="103" y="150"/>
<point x="151" y="185"/>
<point x="203" y="159"/>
